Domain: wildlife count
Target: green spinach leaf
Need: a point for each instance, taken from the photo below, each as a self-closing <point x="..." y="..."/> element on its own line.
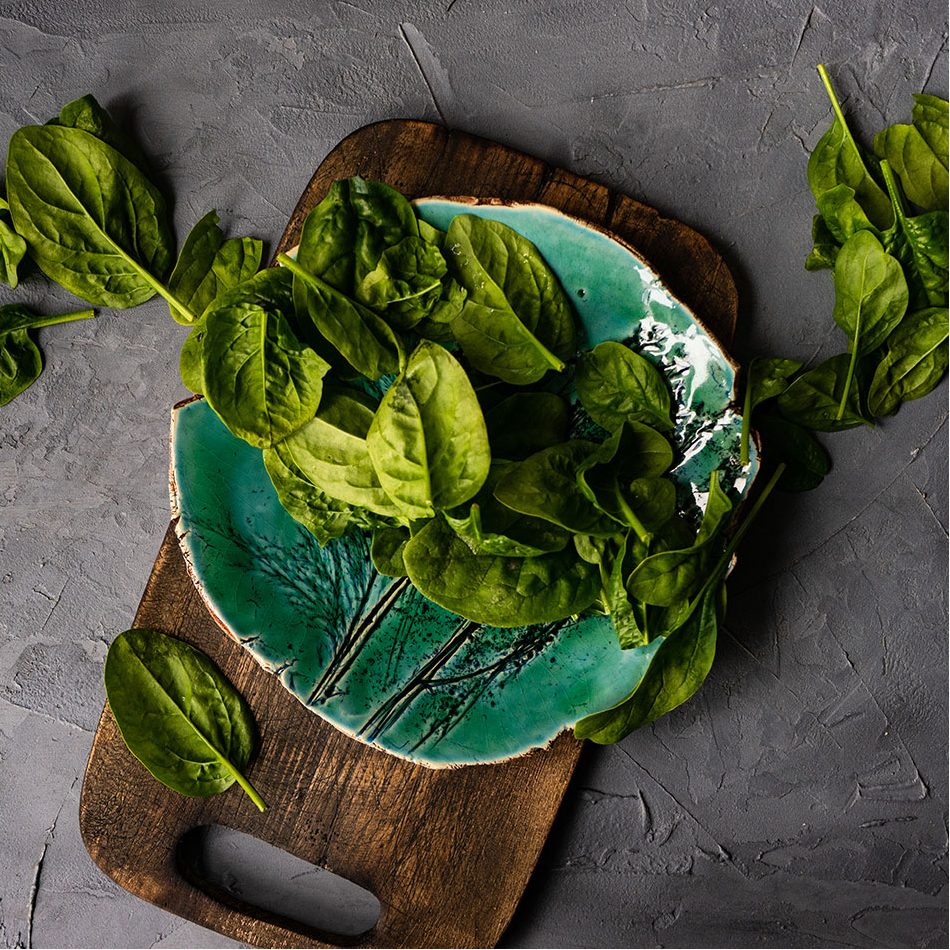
<point x="915" y="360"/>
<point x="806" y="461"/>
<point x="837" y="160"/>
<point x="258" y="377"/>
<point x="615" y="384"/>
<point x="12" y="249"/>
<point x="525" y="423"/>
<point x="91" y="219"/>
<point x="922" y="173"/>
<point x="428" y="440"/>
<point x="208" y="265"/>
<point x="824" y="246"/>
<point x="20" y="360"/>
<point x="331" y="452"/>
<point x="389" y="544"/>
<point x="516" y="322"/>
<point x="499" y="591"/>
<point x="870" y="299"/>
<point x="545" y="486"/>
<point x="814" y="398"/>
<point x="930" y="116"/>
<point x="766" y="378"/>
<point x="179" y="715"/>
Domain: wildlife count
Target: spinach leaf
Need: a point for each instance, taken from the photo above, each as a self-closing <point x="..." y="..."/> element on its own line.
<point x="620" y="479"/>
<point x="12" y="249"/>
<point x="179" y="715"/>
<point x="258" y="377"/>
<point x="814" y="399"/>
<point x="322" y="515"/>
<point x="870" y="299"/>
<point x="920" y="244"/>
<point x="842" y="214"/>
<point x="806" y="461"/>
<point x="545" y="486"/>
<point x="670" y="578"/>
<point x="922" y="173"/>
<point x="326" y="244"/>
<point x="516" y="322"/>
<point x="489" y="527"/>
<point x="676" y="671"/>
<point x="915" y="359"/>
<point x="361" y="337"/>
<point x="837" y="160"/>
<point x="428" y="440"/>
<point x="331" y="452"/>
<point x="387" y="549"/>
<point x="91" y="219"/>
<point x="85" y="113"/>
<point x="191" y="366"/>
<point x="766" y="378"/>
<point x="628" y="617"/>
<point x="499" y="591"/>
<point x="616" y="384"/>
<point x="406" y="284"/>
<point x="930" y="117"/>
<point x="525" y="423"/>
<point x="825" y="246"/>
<point x="20" y="360"/>
<point x="208" y="265"/>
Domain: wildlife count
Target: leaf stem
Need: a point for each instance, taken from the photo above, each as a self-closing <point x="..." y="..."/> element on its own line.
<point x="158" y="286"/>
<point x="55" y="319"/>
<point x="848" y="379"/>
<point x="639" y="528"/>
<point x="746" y="418"/>
<point x="893" y="193"/>
<point x="252" y="792"/>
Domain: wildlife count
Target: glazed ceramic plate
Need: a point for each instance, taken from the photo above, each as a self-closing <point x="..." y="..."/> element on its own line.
<point x="369" y="653"/>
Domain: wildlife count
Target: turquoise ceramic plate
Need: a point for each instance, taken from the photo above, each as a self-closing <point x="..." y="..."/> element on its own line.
<point x="370" y="654"/>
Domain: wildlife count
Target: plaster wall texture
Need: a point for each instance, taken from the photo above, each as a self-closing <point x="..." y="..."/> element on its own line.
<point x="800" y="800"/>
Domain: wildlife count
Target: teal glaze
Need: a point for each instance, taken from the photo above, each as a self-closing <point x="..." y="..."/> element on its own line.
<point x="370" y="654"/>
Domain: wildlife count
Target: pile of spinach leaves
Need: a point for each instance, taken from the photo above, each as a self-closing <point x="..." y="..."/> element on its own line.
<point x="882" y="229"/>
<point x="387" y="369"/>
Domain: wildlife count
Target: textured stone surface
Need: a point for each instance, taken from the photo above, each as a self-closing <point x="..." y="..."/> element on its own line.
<point x="801" y="799"/>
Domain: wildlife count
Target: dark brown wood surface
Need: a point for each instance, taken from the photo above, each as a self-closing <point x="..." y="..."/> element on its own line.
<point x="448" y="852"/>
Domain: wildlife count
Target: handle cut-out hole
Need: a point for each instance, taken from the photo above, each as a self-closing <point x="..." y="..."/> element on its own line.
<point x="274" y="885"/>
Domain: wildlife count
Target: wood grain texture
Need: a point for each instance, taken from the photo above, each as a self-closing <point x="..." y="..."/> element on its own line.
<point x="448" y="852"/>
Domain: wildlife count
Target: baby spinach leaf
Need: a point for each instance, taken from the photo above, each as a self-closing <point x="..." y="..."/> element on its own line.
<point x="870" y="299"/>
<point x="208" y="265"/>
<point x="806" y="461"/>
<point x="361" y="337"/>
<point x="20" y="360"/>
<point x="545" y="486"/>
<point x="672" y="577"/>
<point x="406" y="284"/>
<point x="428" y="440"/>
<point x="837" y="160"/>
<point x="12" y="249"/>
<point x="525" y="423"/>
<point x="499" y="591"/>
<point x="91" y="219"/>
<point x="923" y="175"/>
<point x="766" y="378"/>
<point x="323" y="516"/>
<point x="814" y="399"/>
<point x="387" y="550"/>
<point x="619" y="478"/>
<point x="179" y="715"/>
<point x="915" y="359"/>
<point x="331" y="452"/>
<point x="85" y="113"/>
<point x="258" y="377"/>
<point x="615" y="384"/>
<point x="191" y="366"/>
<point x="489" y="527"/>
<point x="627" y="617"/>
<point x="516" y="322"/>
<point x="326" y="244"/>
<point x="842" y="214"/>
<point x="930" y="117"/>
<point x="825" y="246"/>
<point x="676" y="671"/>
<point x="920" y="244"/>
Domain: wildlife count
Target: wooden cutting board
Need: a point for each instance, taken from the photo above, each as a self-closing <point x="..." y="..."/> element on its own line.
<point x="448" y="853"/>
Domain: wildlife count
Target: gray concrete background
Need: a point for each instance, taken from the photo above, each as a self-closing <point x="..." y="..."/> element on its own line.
<point x="801" y="799"/>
